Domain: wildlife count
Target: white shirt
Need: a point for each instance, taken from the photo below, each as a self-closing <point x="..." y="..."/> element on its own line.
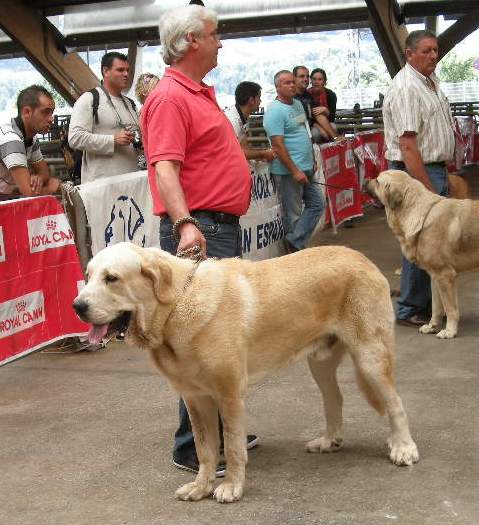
<point x="241" y="130"/>
<point x="14" y="152"/>
<point x="411" y="105"/>
<point x="101" y="158"/>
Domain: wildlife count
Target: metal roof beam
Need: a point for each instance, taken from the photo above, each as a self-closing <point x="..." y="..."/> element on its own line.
<point x="389" y="34"/>
<point x="458" y="31"/>
<point x="44" y="46"/>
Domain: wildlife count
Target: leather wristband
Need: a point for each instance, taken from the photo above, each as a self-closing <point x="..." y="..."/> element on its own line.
<point x="180" y="222"/>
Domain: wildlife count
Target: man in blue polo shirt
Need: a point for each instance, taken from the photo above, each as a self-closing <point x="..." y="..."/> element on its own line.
<point x="287" y="127"/>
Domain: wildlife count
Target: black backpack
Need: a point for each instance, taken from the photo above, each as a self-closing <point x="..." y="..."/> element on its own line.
<point x="73" y="157"/>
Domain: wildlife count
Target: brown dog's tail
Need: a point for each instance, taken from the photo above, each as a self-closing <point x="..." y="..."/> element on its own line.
<point x="386" y="376"/>
<point x="372" y="398"/>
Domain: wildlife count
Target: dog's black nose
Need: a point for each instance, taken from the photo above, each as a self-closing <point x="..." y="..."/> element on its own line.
<point x="80" y="306"/>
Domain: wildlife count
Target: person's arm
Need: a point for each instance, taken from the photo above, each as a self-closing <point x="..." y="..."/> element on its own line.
<point x="80" y="130"/>
<point x="23" y="181"/>
<point x="413" y="160"/>
<point x="267" y="155"/>
<point x="279" y="147"/>
<point x="173" y="198"/>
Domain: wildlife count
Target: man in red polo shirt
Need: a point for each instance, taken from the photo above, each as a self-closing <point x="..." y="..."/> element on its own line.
<point x="199" y="179"/>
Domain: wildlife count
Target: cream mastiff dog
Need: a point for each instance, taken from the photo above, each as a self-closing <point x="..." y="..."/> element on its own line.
<point x="216" y="327"/>
<point x="440" y="235"/>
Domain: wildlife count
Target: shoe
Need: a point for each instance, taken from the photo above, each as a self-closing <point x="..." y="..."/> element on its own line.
<point x="191" y="464"/>
<point x="251" y="441"/>
<point x="290" y="248"/>
<point x="415" y="321"/>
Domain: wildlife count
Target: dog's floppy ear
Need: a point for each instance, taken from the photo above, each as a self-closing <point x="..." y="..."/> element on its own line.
<point x="394" y="195"/>
<point x="157" y="269"/>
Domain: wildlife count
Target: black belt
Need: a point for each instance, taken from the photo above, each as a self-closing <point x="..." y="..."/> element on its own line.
<point x="217" y="216"/>
<point x="402" y="165"/>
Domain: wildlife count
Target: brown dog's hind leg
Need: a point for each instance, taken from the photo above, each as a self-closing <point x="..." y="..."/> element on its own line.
<point x="374" y="368"/>
<point x="203" y="412"/>
<point x="323" y="366"/>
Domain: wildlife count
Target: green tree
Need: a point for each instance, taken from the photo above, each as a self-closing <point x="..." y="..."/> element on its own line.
<point x="454" y="69"/>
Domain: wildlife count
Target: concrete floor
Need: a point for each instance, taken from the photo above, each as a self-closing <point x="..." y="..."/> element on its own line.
<point x="85" y="438"/>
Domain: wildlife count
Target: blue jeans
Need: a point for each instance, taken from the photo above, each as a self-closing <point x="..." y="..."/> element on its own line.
<point x="222" y="240"/>
<point x="416" y="296"/>
<point x="299" y="221"/>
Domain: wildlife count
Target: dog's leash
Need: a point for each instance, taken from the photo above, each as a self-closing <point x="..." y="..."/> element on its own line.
<point x="196" y="255"/>
<point x="341" y="188"/>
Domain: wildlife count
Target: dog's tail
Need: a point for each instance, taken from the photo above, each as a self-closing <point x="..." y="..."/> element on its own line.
<point x="369" y="393"/>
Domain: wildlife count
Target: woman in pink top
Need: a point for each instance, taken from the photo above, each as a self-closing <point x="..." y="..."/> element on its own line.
<point x="324" y="104"/>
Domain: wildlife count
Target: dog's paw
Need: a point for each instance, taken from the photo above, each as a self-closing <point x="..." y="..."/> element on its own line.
<point x="228" y="492"/>
<point x="194" y="491"/>
<point x="446" y="333"/>
<point x="403" y="453"/>
<point x="428" y="329"/>
<point x="324" y="444"/>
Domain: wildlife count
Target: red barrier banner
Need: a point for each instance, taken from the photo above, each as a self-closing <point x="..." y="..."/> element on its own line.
<point x="369" y="150"/>
<point x="40" y="275"/>
<point x="341" y="178"/>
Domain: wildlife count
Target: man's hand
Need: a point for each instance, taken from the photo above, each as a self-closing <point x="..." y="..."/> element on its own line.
<point x="36" y="183"/>
<point x="123" y="138"/>
<point x="191" y="236"/>
<point x="321" y="110"/>
<point x="300" y="177"/>
<point x="269" y="155"/>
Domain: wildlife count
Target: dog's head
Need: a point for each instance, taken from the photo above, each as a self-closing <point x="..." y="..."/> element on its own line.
<point x="392" y="187"/>
<point x="125" y="282"/>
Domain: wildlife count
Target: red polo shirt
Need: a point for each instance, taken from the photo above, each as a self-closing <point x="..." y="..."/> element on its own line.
<point x="182" y="121"/>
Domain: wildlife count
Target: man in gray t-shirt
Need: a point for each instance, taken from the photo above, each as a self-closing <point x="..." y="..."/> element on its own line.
<point x="22" y="168"/>
<point x="108" y="140"/>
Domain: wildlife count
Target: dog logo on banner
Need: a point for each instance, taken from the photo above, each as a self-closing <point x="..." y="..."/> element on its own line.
<point x="126" y="223"/>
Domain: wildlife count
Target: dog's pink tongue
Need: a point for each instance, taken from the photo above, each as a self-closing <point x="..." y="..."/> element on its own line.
<point x="97" y="333"/>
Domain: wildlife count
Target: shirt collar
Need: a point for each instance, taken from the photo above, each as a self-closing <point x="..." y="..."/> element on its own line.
<point x="420" y="76"/>
<point x="19" y="128"/>
<point x="190" y="84"/>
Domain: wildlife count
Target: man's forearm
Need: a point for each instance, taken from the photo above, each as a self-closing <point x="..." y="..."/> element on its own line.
<point x="413" y="161"/>
<point x="170" y="190"/>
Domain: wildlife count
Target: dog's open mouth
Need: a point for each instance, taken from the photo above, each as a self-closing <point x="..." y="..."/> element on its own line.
<point x="99" y="331"/>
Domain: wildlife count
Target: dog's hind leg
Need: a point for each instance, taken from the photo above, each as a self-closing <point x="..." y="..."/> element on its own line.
<point x="203" y="412"/>
<point x="374" y="369"/>
<point x="437" y="310"/>
<point x="233" y="415"/>
<point x="323" y="365"/>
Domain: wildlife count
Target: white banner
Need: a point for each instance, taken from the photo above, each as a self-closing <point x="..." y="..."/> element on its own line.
<point x="120" y="208"/>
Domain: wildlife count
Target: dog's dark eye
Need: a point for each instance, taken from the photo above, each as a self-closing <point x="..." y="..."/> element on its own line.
<point x="110" y="278"/>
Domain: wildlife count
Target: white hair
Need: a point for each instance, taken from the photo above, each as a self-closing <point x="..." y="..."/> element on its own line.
<point x="175" y="26"/>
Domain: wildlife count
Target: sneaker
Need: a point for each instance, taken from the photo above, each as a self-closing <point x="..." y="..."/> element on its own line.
<point x="251" y="442"/>
<point x="191" y="465"/>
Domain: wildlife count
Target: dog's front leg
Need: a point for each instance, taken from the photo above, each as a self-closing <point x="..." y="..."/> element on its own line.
<point x="447" y="286"/>
<point x="203" y="412"/>
<point x="437" y="310"/>
<point x="232" y="412"/>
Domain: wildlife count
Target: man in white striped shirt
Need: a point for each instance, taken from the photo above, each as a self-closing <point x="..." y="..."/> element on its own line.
<point x="23" y="171"/>
<point x="419" y="135"/>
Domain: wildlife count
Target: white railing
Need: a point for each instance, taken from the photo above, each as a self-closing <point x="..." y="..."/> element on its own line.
<point x="365" y="96"/>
